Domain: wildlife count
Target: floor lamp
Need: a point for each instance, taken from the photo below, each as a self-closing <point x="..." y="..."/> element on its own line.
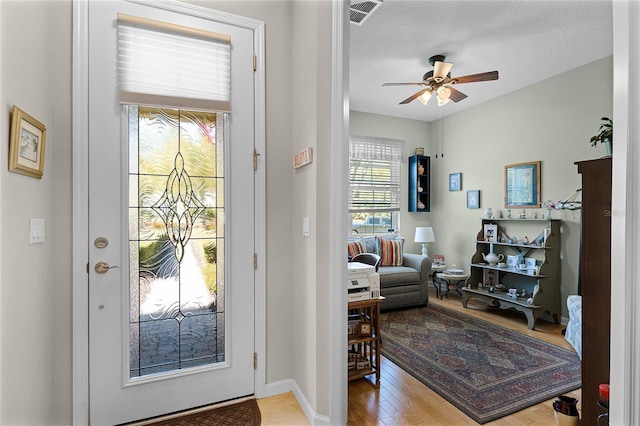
<point x="424" y="235"/>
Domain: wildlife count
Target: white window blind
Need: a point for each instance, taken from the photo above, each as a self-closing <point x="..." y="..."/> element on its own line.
<point x="374" y="173"/>
<point x="172" y="65"/>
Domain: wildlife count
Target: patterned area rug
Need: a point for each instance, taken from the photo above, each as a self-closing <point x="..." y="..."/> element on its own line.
<point x="244" y="413"/>
<point x="485" y="370"/>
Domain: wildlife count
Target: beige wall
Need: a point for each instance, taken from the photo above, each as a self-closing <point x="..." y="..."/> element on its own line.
<point x="550" y="121"/>
<point x="35" y="281"/>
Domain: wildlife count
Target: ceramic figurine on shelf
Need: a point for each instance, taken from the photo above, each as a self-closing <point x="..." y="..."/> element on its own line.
<point x="525" y="240"/>
<point x="508" y="213"/>
<point x="523" y="214"/>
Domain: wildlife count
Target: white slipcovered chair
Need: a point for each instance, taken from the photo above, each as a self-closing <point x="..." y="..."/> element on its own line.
<point x="573" y="333"/>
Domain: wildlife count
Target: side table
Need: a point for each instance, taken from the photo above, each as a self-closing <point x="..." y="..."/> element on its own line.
<point x="435" y="268"/>
<point x="446" y="279"/>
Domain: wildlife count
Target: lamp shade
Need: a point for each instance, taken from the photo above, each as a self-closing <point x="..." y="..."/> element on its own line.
<point x="424" y="234"/>
<point x="424" y="98"/>
<point x="443" y="95"/>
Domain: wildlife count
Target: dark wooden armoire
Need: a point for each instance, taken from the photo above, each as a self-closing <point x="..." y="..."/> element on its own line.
<point x="595" y="282"/>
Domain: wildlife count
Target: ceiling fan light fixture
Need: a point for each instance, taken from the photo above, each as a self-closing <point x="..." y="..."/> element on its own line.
<point x="424" y="98"/>
<point x="443" y="93"/>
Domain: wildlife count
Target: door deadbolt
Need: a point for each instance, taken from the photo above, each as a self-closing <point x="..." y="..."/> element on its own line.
<point x="101" y="242"/>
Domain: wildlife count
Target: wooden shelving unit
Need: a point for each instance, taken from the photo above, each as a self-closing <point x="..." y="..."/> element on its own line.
<point x="542" y="287"/>
<point x="419" y="184"/>
<point x="363" y="349"/>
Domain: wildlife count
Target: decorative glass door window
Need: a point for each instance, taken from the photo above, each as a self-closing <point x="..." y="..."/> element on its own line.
<point x="176" y="239"/>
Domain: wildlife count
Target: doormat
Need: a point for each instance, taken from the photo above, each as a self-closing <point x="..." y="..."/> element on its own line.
<point x="245" y="413"/>
<point x="485" y="370"/>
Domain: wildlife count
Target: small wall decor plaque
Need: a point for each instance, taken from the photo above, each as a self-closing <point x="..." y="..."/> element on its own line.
<point x="26" y="144"/>
<point x="303" y="158"/>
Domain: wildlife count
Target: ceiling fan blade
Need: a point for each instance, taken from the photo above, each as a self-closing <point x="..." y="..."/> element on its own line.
<point x="483" y="76"/>
<point x="456" y="95"/>
<point x="414" y="96"/>
<point x="402" y="84"/>
<point x="441" y="69"/>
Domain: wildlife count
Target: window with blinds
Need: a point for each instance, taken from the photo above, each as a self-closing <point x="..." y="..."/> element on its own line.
<point x="374" y="184"/>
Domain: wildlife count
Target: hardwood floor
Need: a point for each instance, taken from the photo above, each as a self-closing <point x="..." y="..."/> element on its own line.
<point x="403" y="400"/>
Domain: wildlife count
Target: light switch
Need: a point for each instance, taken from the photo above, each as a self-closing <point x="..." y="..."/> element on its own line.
<point x="305" y="227"/>
<point x="36" y="231"/>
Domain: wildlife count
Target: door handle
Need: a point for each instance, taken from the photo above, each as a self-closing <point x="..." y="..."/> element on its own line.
<point x="103" y="267"/>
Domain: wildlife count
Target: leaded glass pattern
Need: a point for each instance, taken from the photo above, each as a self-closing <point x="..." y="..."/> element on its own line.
<point x="176" y="239"/>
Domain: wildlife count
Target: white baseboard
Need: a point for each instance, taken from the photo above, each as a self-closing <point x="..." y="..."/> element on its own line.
<point x="290" y="385"/>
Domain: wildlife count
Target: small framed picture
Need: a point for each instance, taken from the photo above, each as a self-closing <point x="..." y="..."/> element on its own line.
<point x="491" y="232"/>
<point x="365" y="329"/>
<point x="531" y="262"/>
<point x="455" y="182"/>
<point x="490" y="278"/>
<point x="473" y="199"/>
<point x="26" y="144"/>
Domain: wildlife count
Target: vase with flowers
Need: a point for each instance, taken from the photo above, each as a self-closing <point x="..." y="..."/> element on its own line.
<point x="605" y="135"/>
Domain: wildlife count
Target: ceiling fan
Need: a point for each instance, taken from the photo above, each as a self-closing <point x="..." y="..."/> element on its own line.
<point x="440" y="82"/>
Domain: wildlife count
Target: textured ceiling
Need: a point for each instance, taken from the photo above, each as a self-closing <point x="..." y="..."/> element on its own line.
<point x="526" y="41"/>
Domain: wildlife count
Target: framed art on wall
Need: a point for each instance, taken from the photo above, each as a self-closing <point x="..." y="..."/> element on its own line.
<point x="455" y="181"/>
<point x="26" y="144"/>
<point x="473" y="199"/>
<point x="522" y="185"/>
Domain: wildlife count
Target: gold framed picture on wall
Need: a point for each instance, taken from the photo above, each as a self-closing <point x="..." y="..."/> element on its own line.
<point x="26" y="144"/>
<point x="522" y="185"/>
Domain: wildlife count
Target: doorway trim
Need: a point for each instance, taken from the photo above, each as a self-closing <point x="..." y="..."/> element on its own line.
<point x="338" y="402"/>
<point x="80" y="194"/>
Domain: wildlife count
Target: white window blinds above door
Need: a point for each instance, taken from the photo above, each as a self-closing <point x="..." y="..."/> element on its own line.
<point x="374" y="173"/>
<point x="171" y="65"/>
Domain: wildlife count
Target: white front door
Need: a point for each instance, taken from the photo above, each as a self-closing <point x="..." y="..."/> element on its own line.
<point x="171" y="237"/>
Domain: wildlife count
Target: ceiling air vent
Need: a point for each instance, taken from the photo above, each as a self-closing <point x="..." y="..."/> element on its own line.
<point x="361" y="10"/>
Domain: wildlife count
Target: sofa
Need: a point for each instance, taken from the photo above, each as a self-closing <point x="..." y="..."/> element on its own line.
<point x="403" y="276"/>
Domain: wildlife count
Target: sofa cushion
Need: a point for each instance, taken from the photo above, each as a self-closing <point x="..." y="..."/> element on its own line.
<point x="391" y="251"/>
<point x="391" y="276"/>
